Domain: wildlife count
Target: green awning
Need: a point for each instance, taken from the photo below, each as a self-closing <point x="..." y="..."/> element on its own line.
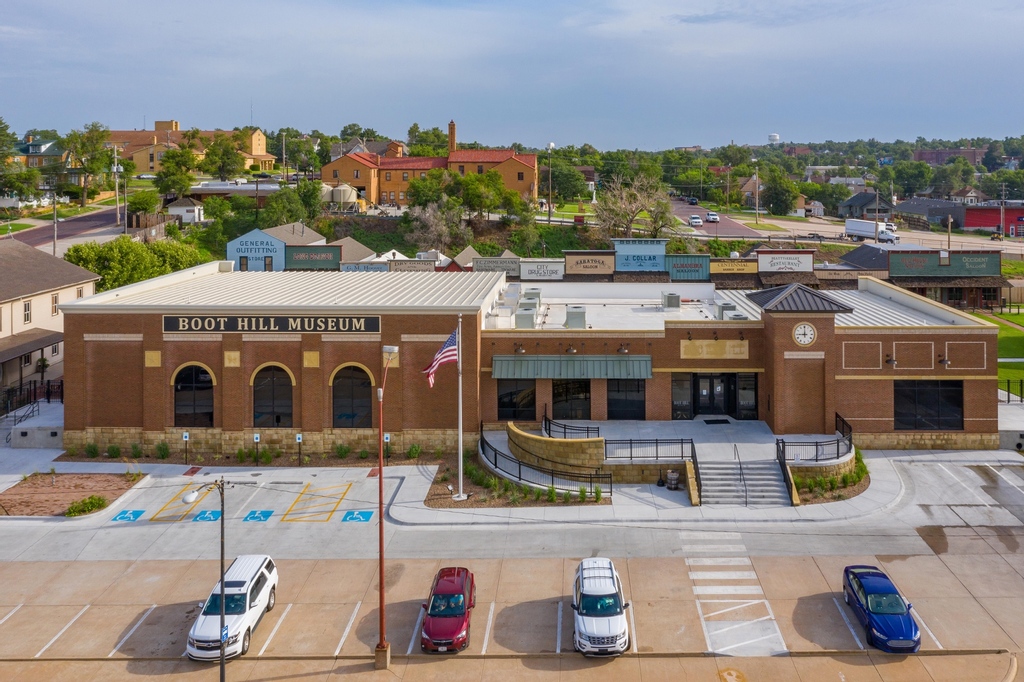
<point x="571" y="367"/>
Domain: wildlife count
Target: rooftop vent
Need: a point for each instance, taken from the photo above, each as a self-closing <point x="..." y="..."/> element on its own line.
<point x="669" y="299"/>
<point x="722" y="307"/>
<point x="526" y="318"/>
<point x="576" y="317"/>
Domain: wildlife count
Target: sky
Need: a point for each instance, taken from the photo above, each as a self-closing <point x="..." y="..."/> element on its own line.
<point x="616" y="74"/>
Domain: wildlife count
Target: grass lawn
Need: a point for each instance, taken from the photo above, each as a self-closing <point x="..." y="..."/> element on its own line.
<point x="13" y="227"/>
<point x="1016" y="318"/>
<point x="765" y="227"/>
<point x="1013" y="268"/>
<point x="1011" y="339"/>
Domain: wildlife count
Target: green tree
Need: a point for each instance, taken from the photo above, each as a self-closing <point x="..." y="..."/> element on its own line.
<point x="311" y="195"/>
<point x="282" y="207"/>
<point x="911" y="177"/>
<point x="87" y="151"/>
<point x="174" y="256"/>
<point x="223" y="157"/>
<point x="145" y="201"/>
<point x="216" y="208"/>
<point x="780" y="193"/>
<point x="429" y="190"/>
<point x="621" y="202"/>
<point x="8" y="141"/>
<point x="952" y="176"/>
<point x="993" y="159"/>
<point x="176" y="175"/>
<point x="660" y="218"/>
<point x="42" y="134"/>
<point x="118" y="262"/>
<point x="567" y="183"/>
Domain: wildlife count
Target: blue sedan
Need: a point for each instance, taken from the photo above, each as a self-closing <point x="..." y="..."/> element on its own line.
<point x="880" y="608"/>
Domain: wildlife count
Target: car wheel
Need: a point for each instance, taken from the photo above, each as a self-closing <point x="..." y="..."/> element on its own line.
<point x="245" y="643"/>
<point x="272" y="599"/>
<point x="846" y="596"/>
<point x="868" y="639"/>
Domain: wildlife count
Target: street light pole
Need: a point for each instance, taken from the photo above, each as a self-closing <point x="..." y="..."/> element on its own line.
<point x="757" y="195"/>
<point x="54" y="195"/>
<point x="551" y="147"/>
<point x="189" y="498"/>
<point x="382" y="653"/>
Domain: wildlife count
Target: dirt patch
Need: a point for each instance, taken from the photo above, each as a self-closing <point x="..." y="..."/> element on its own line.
<point x="482" y="497"/>
<point x="809" y="497"/>
<point x="50" y="494"/>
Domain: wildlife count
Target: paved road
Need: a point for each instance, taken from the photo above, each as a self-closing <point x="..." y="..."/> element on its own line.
<point x="68" y="229"/>
<point x="726" y="228"/>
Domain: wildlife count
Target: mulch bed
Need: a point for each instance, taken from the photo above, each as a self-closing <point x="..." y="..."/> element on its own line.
<point x="807" y="497"/>
<point x="51" y="494"/>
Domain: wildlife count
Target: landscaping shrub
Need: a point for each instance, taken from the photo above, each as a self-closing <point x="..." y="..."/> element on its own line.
<point x="597" y="493"/>
<point x="583" y="493"/>
<point x="507" y="486"/>
<point x="342" y="450"/>
<point x="492" y="483"/>
<point x="163" y="450"/>
<point x="552" y="494"/>
<point x="537" y="494"/>
<point x="113" y="451"/>
<point x="92" y="450"/>
<point x="414" y="451"/>
<point x="363" y="454"/>
<point x="567" y="497"/>
<point x="86" y="506"/>
<point x="136" y="450"/>
<point x="438" y="452"/>
<point x="266" y="456"/>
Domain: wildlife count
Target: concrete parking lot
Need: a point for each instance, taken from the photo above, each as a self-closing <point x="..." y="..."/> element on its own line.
<point x="139" y="613"/>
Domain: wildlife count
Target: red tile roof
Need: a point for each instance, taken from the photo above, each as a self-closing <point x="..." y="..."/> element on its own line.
<point x="480" y="155"/>
<point x="413" y="162"/>
<point x="366" y="158"/>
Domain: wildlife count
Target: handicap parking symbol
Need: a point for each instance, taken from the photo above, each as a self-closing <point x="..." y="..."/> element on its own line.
<point x="358" y="516"/>
<point x="259" y="515"/>
<point x="207" y="515"/>
<point x="129" y="515"/>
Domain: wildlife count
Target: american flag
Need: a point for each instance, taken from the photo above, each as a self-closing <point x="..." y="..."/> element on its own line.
<point x="449" y="353"/>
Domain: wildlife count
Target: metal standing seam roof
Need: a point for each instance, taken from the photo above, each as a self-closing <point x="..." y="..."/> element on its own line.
<point x="571" y="367"/>
<point x="334" y="292"/>
<point x="797" y="298"/>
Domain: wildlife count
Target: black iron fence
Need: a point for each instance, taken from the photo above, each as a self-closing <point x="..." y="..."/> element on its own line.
<point x="559" y="430"/>
<point x="29" y="392"/>
<point x="653" y="448"/>
<point x="560" y="480"/>
<point x="1011" y="390"/>
<point x="821" y="450"/>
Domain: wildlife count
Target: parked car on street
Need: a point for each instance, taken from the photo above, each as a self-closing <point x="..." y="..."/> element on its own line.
<point x="881" y="609"/>
<point x="711" y="217"/>
<point x="447" y="611"/>
<point x="250" y="590"/>
<point x="600" y="627"/>
<point x="692" y="201"/>
<point x="695" y="221"/>
<point x="146" y="176"/>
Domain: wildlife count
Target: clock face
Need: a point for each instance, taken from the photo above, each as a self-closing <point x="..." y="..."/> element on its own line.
<point x="804" y="334"/>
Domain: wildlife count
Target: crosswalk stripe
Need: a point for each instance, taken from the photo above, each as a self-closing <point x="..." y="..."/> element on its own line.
<point x="727" y="589"/>
<point x="723" y="575"/>
<point x="717" y="561"/>
<point x="714" y="548"/>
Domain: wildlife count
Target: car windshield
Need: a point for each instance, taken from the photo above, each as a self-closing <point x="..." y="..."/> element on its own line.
<point x="600" y="605"/>
<point x="444" y="605"/>
<point x="234" y="604"/>
<point x="890" y="604"/>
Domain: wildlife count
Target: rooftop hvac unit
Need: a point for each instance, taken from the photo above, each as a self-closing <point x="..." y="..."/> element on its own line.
<point x="669" y="300"/>
<point x="733" y="315"/>
<point x="722" y="307"/>
<point x="526" y="318"/>
<point x="576" y="317"/>
<point x="532" y="293"/>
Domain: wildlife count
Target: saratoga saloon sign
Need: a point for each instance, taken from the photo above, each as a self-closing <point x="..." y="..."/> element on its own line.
<point x="184" y="324"/>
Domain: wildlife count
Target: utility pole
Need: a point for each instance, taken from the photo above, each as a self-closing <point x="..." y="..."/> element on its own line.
<point x="949" y="232"/>
<point x="1002" y="213"/>
<point x="117" y="207"/>
<point x="876" y="215"/>
<point x="728" y="186"/>
<point x="284" y="155"/>
<point x="757" y="195"/>
<point x="54" y="195"/>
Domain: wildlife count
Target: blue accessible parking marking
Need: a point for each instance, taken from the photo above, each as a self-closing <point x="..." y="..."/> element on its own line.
<point x="358" y="516"/>
<point x="259" y="515"/>
<point x="129" y="515"/>
<point x="207" y="515"/>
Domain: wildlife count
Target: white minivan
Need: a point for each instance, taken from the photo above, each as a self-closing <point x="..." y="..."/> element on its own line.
<point x="600" y="627"/>
<point x="250" y="590"/>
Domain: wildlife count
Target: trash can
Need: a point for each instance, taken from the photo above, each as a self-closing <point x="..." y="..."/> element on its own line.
<point x="672" y="481"/>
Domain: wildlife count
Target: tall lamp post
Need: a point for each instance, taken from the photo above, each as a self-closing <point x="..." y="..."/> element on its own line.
<point x="551" y="147"/>
<point x="382" y="653"/>
<point x="757" y="194"/>
<point x="189" y="498"/>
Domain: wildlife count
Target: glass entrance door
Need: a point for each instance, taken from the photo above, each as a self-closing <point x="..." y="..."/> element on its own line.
<point x="714" y="394"/>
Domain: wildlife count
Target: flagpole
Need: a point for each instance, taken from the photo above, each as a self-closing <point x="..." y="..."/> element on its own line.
<point x="458" y="344"/>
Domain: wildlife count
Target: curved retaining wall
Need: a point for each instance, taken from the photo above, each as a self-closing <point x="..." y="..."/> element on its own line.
<point x="528" y="448"/>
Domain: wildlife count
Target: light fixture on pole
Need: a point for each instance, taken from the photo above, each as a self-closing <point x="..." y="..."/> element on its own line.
<point x="382" y="652"/>
<point x="551" y="147"/>
<point x="189" y="498"/>
<point x="757" y="193"/>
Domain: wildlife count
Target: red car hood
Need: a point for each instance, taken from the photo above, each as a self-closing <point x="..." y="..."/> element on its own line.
<point x="438" y="627"/>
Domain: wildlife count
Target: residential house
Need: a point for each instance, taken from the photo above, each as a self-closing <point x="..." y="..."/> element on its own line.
<point x="854" y="184"/>
<point x="296" y="234"/>
<point x="384" y="179"/>
<point x="355" y="145"/>
<point x="190" y="210"/>
<point x="32" y="286"/>
<point x="969" y="196"/>
<point x="147" y="147"/>
<point x="867" y="205"/>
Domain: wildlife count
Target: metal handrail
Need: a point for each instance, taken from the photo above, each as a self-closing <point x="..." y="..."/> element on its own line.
<point x="743" y="479"/>
<point x="696" y="470"/>
<point x="821" y="450"/>
<point x="780" y="456"/>
<point x="675" y="448"/>
<point x="550" y="427"/>
<point x="541" y="476"/>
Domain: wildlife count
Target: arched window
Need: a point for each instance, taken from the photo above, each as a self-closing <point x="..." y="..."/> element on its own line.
<point x="272" y="399"/>
<point x="193" y="397"/>
<point x="352" y="404"/>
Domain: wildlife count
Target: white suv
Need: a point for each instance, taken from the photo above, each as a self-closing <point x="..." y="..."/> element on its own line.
<point x="250" y="590"/>
<point x="599" y="627"/>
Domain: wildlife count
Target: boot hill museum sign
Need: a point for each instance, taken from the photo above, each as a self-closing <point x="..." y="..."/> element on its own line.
<point x="183" y="324"/>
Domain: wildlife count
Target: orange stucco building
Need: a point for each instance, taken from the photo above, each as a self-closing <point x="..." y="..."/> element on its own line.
<point x="385" y="179"/>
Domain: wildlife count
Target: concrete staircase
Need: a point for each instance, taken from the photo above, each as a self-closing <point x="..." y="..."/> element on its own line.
<point x="722" y="483"/>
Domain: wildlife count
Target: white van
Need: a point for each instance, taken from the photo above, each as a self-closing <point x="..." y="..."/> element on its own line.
<point x="600" y="626"/>
<point x="250" y="590"/>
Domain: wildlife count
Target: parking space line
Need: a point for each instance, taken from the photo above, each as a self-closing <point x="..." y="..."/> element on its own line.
<point x="920" y="620"/>
<point x="771" y="613"/>
<point x="708" y="535"/>
<point x="743" y="603"/>
<point x="132" y="631"/>
<point x="632" y="627"/>
<point x="703" y="624"/>
<point x="487" y="632"/>
<point x="274" y="631"/>
<point x="176" y="509"/>
<point x="741" y="624"/>
<point x="416" y="630"/>
<point x="749" y="641"/>
<point x="245" y="505"/>
<point x="1001" y="475"/>
<point x="13" y="611"/>
<point x="963" y="485"/>
<point x="842" y="612"/>
<point x="62" y="631"/>
<point x="558" y="635"/>
<point x="317" y="504"/>
<point x="723" y="575"/>
<point x="718" y="561"/>
<point x="348" y="628"/>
